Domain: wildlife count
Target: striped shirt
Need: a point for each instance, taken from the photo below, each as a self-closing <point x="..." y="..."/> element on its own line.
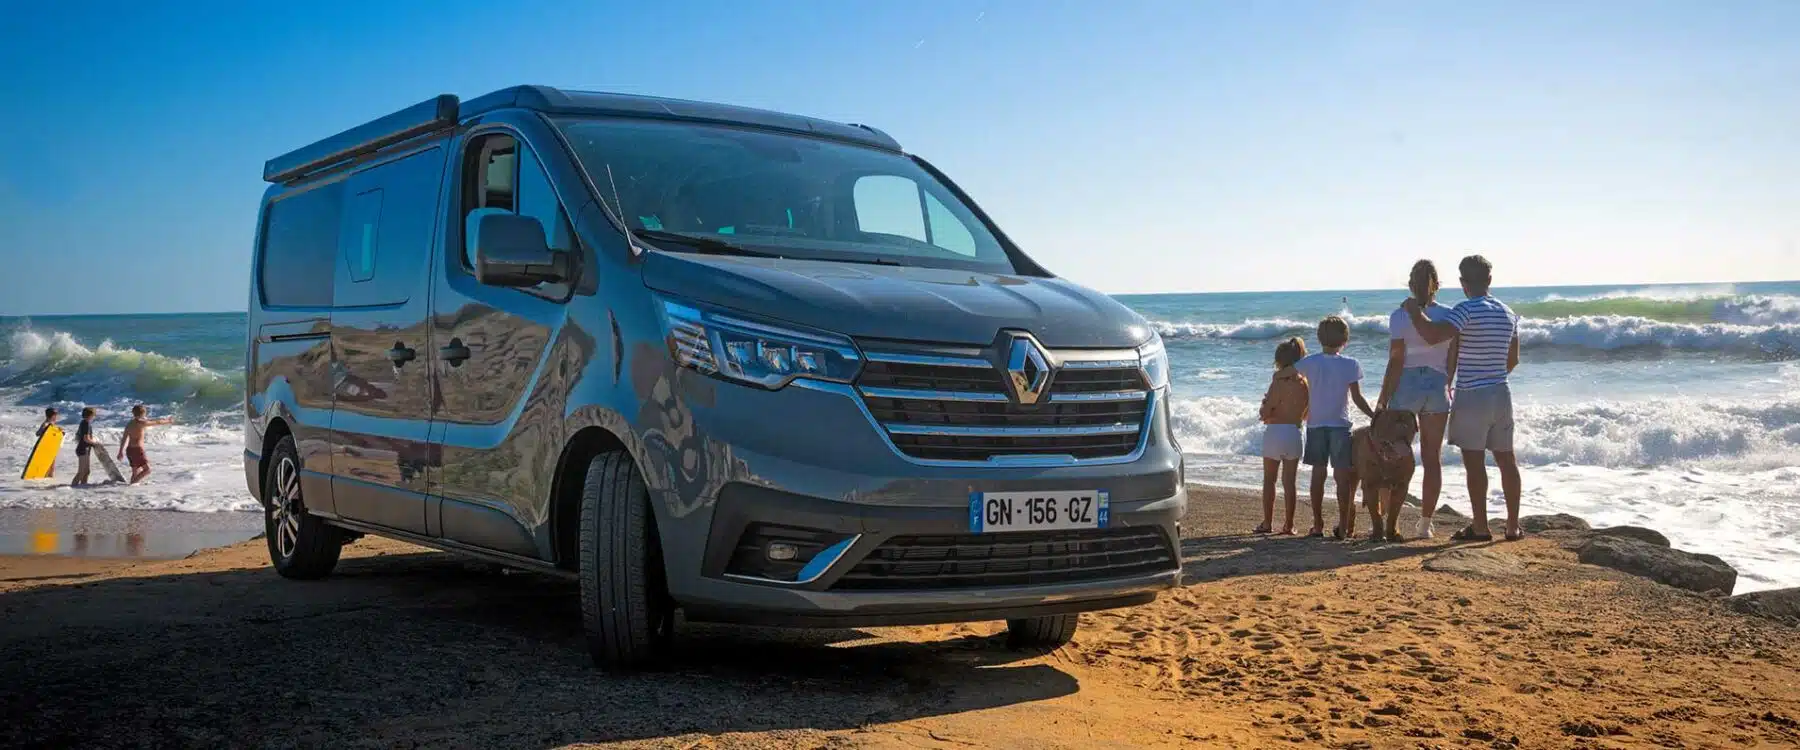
<point x="1486" y="327"/>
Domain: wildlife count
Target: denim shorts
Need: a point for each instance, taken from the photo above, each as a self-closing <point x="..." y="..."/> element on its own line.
<point x="1422" y="390"/>
<point x="1328" y="444"/>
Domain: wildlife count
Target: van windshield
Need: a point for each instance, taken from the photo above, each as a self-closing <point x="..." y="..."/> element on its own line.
<point x="694" y="187"/>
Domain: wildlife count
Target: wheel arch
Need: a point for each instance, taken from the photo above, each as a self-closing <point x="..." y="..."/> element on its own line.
<point x="565" y="488"/>
<point x="272" y="434"/>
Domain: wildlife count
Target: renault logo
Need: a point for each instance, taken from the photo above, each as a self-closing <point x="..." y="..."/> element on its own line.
<point x="1027" y="370"/>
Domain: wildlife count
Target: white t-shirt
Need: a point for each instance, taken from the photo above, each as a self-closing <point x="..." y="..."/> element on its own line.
<point x="1328" y="377"/>
<point x="1419" y="353"/>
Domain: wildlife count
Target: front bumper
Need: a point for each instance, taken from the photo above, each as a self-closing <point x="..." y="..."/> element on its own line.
<point x="838" y="474"/>
<point x="818" y="599"/>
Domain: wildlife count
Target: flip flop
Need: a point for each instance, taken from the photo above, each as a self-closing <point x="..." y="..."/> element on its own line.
<point x="1287" y="532"/>
<point x="1316" y="533"/>
<point x="1467" y="534"/>
<point x="1262" y="528"/>
<point x="1513" y="536"/>
<point x="1396" y="538"/>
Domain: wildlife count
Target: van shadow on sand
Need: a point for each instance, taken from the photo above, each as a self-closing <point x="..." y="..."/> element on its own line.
<point x="399" y="649"/>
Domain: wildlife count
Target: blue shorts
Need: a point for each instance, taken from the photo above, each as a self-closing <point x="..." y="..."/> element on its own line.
<point x="1328" y="444"/>
<point x="1422" y="390"/>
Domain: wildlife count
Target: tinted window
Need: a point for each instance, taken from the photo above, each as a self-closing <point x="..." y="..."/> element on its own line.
<point x="361" y="232"/>
<point x="300" y="242"/>
<point x="390" y="217"/>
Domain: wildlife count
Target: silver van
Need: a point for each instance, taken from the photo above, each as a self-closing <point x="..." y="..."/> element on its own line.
<point x="748" y="366"/>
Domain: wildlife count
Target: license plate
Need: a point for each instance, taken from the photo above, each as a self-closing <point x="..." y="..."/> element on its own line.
<point x="991" y="512"/>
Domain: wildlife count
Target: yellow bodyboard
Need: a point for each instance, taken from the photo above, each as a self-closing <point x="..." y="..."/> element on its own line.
<point x="43" y="455"/>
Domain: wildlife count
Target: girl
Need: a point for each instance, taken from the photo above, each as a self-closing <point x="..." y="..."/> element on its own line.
<point x="1283" y="411"/>
<point x="1418" y="380"/>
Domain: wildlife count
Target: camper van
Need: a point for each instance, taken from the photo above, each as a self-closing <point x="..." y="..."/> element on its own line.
<point x="746" y="366"/>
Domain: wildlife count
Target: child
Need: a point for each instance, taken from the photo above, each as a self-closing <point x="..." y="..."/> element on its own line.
<point x="131" y="444"/>
<point x="49" y="419"/>
<point x="1283" y="409"/>
<point x="84" y="441"/>
<point x="1330" y="377"/>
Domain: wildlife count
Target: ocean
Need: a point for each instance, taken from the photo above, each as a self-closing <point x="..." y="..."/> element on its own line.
<point x="1673" y="407"/>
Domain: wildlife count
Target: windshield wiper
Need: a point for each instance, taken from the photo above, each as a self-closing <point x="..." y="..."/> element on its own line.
<point x="706" y="243"/>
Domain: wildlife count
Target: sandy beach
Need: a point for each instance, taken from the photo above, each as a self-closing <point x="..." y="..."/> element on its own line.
<point x="1272" y="642"/>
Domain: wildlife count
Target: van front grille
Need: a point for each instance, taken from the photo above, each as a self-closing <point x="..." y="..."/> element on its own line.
<point x="957" y="409"/>
<point x="1010" y="559"/>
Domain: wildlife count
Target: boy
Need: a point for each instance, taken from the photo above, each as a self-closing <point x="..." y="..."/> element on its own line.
<point x="84" y="441"/>
<point x="1331" y="377"/>
<point x="131" y="444"/>
<point x="49" y="419"/>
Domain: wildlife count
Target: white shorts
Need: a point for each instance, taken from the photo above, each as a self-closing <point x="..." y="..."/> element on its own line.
<point x="1281" y="442"/>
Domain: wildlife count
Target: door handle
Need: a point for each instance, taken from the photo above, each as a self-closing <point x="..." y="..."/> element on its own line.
<point x="401" y="354"/>
<point x="454" y="352"/>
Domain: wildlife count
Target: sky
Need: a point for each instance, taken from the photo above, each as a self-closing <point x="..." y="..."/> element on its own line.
<point x="1129" y="146"/>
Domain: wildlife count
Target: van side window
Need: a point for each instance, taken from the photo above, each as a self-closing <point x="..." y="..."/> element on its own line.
<point x="299" y="244"/>
<point x="361" y="233"/>
<point x="502" y="176"/>
<point x="390" y="217"/>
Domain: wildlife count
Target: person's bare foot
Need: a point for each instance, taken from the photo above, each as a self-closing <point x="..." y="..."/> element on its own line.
<point x="1287" y="530"/>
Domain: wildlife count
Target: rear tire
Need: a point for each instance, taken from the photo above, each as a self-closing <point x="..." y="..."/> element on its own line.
<point x="1046" y="633"/>
<point x="625" y="607"/>
<point x="301" y="546"/>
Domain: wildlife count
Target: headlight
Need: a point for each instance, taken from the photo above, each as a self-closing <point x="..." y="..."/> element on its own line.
<point x="762" y="354"/>
<point x="1155" y="361"/>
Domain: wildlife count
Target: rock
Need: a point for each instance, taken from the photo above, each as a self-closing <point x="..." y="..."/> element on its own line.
<point x="1480" y="561"/>
<point x="1554" y="522"/>
<point x="1647" y="536"/>
<point x="1686" y="570"/>
<point x="1780" y="605"/>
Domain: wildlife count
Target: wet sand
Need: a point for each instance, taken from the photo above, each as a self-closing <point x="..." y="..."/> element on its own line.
<point x="118" y="533"/>
<point x="1272" y="642"/>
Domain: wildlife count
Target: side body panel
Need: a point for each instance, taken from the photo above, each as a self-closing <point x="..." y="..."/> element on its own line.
<point x="381" y="372"/>
<point x="505" y="359"/>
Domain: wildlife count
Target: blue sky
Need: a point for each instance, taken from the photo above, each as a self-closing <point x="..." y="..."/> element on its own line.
<point x="1134" y="147"/>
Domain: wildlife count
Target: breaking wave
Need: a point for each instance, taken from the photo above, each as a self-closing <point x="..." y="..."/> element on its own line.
<point x="54" y="367"/>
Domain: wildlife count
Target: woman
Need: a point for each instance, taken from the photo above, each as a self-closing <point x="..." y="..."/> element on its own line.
<point x="1418" y="380"/>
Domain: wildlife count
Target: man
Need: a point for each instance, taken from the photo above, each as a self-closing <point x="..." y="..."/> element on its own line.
<point x="1481" y="418"/>
<point x="131" y="444"/>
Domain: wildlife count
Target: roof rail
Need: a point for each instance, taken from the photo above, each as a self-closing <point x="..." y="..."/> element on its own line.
<point x="432" y="114"/>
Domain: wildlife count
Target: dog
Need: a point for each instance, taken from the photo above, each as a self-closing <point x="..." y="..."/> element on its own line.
<point x="1382" y="453"/>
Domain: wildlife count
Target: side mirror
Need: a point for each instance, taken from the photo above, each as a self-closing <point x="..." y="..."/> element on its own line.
<point x="510" y="250"/>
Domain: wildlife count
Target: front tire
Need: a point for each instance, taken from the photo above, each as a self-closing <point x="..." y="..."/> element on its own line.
<point x="625" y="608"/>
<point x="1046" y="633"/>
<point x="302" y="546"/>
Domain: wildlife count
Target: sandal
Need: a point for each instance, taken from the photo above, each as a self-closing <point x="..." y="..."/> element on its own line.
<point x="1513" y="536"/>
<point x="1467" y="534"/>
<point x="1261" y="528"/>
<point x="1318" y="532"/>
<point x="1337" y="532"/>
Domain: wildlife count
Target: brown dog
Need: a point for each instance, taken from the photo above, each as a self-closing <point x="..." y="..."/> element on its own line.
<point x="1383" y="456"/>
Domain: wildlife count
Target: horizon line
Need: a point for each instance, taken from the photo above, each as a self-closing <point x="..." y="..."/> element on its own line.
<point x="1109" y="294"/>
